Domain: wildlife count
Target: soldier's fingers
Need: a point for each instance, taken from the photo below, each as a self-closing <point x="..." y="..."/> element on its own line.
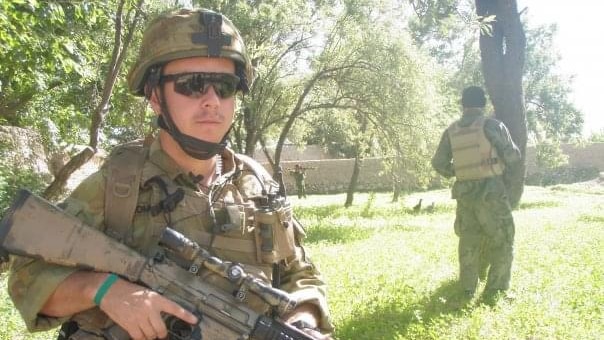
<point x="136" y="333"/>
<point x="159" y="325"/>
<point x="173" y="308"/>
<point x="148" y="331"/>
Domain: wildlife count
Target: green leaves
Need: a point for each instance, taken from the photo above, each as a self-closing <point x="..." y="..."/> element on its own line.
<point x="551" y="115"/>
<point x="56" y="55"/>
<point x="43" y="48"/>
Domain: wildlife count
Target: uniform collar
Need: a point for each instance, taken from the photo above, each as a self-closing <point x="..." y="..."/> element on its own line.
<point x="473" y="111"/>
<point x="470" y="114"/>
<point x="166" y="164"/>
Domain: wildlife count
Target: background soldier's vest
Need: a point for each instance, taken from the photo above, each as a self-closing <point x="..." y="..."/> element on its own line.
<point x="473" y="155"/>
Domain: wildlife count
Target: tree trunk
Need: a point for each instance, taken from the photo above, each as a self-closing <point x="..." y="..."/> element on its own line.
<point x="360" y="152"/>
<point x="120" y="47"/>
<point x="503" y="55"/>
<point x="251" y="136"/>
<point x="354" y="179"/>
<point x="396" y="188"/>
<point x="267" y="154"/>
<point x="55" y="189"/>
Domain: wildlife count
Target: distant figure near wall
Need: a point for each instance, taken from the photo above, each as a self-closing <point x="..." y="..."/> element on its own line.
<point x="299" y="173"/>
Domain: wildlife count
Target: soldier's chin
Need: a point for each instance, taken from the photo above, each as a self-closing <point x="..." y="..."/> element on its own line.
<point x="206" y="136"/>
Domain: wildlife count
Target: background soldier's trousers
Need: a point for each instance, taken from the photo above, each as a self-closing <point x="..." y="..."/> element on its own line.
<point x="486" y="238"/>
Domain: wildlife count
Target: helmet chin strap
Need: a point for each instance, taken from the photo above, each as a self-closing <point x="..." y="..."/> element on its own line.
<point x="194" y="147"/>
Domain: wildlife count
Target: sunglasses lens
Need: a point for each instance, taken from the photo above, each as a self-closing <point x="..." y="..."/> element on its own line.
<point x="225" y="89"/>
<point x="196" y="84"/>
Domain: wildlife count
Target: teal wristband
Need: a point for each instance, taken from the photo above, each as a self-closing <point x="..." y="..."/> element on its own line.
<point x="109" y="281"/>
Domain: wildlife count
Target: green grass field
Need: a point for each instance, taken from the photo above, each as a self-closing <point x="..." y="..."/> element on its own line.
<point x="392" y="274"/>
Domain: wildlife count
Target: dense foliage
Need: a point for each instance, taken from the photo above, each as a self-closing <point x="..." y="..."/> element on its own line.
<point x="597" y="137"/>
<point x="15" y="175"/>
<point x="48" y="74"/>
<point x="551" y="115"/>
<point x="13" y="178"/>
<point x="361" y="78"/>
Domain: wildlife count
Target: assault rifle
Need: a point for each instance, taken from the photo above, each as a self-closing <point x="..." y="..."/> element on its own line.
<point x="33" y="227"/>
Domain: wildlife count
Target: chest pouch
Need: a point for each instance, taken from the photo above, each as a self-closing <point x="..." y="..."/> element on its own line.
<point x="229" y="219"/>
<point x="172" y="195"/>
<point x="274" y="233"/>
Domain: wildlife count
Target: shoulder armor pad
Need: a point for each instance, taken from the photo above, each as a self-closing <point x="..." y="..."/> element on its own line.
<point x="123" y="167"/>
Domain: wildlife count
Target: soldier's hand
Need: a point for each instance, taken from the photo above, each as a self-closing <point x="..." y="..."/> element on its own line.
<point x="138" y="310"/>
<point x="316" y="334"/>
<point x="305" y="317"/>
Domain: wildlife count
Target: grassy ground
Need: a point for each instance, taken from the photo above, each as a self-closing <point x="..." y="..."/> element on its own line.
<point x="392" y="273"/>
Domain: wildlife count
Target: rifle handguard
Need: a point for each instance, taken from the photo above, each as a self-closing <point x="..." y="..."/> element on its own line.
<point x="189" y="250"/>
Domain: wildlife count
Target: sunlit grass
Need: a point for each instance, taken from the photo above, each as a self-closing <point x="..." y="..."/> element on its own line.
<point x="393" y="276"/>
<point x="11" y="324"/>
<point x="391" y="272"/>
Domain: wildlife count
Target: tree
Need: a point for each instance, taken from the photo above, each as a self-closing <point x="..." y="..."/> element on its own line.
<point x="390" y="100"/>
<point x="503" y="48"/>
<point x="277" y="37"/>
<point x="126" y="21"/>
<point x="56" y="48"/>
<point x="502" y="53"/>
<point x="597" y="136"/>
<point x="447" y="29"/>
<point x="550" y="113"/>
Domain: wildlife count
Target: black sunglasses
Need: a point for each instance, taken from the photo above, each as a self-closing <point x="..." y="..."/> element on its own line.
<point x="196" y="84"/>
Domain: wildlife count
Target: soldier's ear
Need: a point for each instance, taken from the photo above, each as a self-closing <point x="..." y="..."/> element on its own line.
<point x="154" y="102"/>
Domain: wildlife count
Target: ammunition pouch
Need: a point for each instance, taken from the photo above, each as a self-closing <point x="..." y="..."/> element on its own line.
<point x="81" y="334"/>
<point x="67" y="330"/>
<point x="87" y="325"/>
<point x="274" y="233"/>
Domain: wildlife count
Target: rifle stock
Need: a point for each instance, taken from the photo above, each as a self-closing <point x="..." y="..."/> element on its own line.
<point x="33" y="227"/>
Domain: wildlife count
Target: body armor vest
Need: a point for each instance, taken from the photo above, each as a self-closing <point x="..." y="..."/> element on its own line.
<point x="474" y="157"/>
<point x="257" y="231"/>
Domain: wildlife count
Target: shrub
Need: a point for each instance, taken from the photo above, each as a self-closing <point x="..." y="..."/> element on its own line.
<point x="15" y="175"/>
<point x="562" y="175"/>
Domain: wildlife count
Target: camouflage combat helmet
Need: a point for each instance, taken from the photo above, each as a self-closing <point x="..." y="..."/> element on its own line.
<point x="189" y="33"/>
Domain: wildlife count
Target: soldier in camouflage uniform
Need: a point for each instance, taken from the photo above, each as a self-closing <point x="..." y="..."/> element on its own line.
<point x="476" y="149"/>
<point x="299" y="174"/>
<point x="191" y="65"/>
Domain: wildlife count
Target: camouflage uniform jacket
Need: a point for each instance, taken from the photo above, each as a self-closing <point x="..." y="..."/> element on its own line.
<point x="500" y="138"/>
<point x="33" y="281"/>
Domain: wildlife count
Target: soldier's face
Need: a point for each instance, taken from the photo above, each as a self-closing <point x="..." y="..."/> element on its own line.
<point x="208" y="115"/>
